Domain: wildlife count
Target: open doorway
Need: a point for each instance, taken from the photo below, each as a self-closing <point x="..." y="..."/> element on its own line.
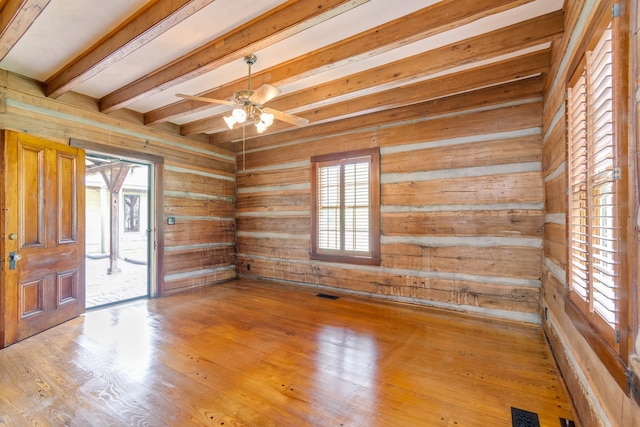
<point x="118" y="215"/>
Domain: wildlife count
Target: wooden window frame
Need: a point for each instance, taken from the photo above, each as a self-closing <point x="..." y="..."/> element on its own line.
<point x="614" y="355"/>
<point x="372" y="257"/>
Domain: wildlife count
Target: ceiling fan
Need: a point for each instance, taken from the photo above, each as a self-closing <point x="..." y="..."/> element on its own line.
<point x="249" y="105"/>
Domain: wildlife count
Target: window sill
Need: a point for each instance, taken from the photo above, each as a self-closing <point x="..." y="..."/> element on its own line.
<point x="345" y="259"/>
<point x="610" y="359"/>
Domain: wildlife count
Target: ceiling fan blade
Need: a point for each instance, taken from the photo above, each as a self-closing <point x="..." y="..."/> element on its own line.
<point x="285" y="117"/>
<point x="203" y="99"/>
<point x="264" y="94"/>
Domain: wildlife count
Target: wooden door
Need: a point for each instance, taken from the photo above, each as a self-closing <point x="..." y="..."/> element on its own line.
<point x="42" y="235"/>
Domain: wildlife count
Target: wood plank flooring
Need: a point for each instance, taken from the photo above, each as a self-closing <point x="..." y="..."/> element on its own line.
<point x="257" y="353"/>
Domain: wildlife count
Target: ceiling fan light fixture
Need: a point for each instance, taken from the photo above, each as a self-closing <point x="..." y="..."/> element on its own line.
<point x="249" y="105"/>
<point x="261" y="126"/>
<point x="240" y="115"/>
<point x="266" y="118"/>
<point x="230" y="121"/>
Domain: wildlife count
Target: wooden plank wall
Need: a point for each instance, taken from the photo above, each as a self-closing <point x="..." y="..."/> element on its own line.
<point x="198" y="178"/>
<point x="599" y="401"/>
<point x="462" y="202"/>
<point x="200" y="247"/>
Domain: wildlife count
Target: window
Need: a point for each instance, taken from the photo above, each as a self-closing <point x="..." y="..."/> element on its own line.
<point x="345" y="204"/>
<point x="131" y="212"/>
<point x="597" y="199"/>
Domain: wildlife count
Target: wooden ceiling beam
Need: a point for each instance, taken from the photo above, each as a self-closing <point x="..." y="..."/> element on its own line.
<point x="527" y="34"/>
<point x="533" y="32"/>
<point x="99" y="168"/>
<point x="16" y="16"/>
<point x="141" y="28"/>
<point x="469" y="101"/>
<point x="466" y="80"/>
<point x="431" y="20"/>
<point x="278" y="24"/>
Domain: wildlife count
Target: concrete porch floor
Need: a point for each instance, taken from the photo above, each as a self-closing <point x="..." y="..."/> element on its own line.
<point x="102" y="288"/>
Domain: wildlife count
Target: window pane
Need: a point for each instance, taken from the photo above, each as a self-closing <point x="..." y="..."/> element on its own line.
<point x="356" y="229"/>
<point x="604" y="252"/>
<point x="329" y="180"/>
<point x="329" y="228"/>
<point x="329" y="207"/>
<point x="601" y="165"/>
<point x="356" y="194"/>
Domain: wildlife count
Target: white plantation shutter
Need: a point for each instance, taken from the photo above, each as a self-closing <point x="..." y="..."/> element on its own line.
<point x="594" y="271"/>
<point x="356" y="206"/>
<point x="577" y="140"/>
<point x="346" y="206"/>
<point x="329" y="207"/>
<point x="343" y="205"/>
<point x="601" y="173"/>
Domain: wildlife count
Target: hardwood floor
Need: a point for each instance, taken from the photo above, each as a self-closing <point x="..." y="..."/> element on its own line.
<point x="258" y="353"/>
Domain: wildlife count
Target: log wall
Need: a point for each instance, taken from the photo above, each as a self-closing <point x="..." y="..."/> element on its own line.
<point x="598" y="399"/>
<point x="197" y="180"/>
<point x="200" y="247"/>
<point x="462" y="203"/>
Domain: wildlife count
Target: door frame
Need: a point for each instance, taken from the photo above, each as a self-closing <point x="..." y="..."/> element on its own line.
<point x="156" y="217"/>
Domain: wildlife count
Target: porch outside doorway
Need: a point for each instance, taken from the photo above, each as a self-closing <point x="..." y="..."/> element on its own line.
<point x="117" y="224"/>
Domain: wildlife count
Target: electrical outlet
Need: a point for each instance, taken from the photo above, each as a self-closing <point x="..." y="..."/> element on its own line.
<point x="248" y="267"/>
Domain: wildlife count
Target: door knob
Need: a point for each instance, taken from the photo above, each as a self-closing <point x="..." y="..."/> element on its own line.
<point x="13" y="258"/>
<point x="13" y="236"/>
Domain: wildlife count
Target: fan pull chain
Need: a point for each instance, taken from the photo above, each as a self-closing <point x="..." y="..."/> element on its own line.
<point x="243" y="157"/>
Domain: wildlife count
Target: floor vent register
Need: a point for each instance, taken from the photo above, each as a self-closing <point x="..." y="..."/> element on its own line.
<point x="522" y="418"/>
<point x="327" y="296"/>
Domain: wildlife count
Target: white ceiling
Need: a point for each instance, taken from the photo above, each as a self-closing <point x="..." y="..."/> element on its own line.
<point x="65" y="29"/>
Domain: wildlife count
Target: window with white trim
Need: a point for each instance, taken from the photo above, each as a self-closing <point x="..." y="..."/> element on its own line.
<point x="345" y="201"/>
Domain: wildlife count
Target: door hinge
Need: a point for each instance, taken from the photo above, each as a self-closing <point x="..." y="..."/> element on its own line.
<point x="617" y="336"/>
<point x="615" y="10"/>
<point x="617" y="174"/>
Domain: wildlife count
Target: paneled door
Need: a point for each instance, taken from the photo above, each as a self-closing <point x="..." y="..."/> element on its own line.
<point x="42" y="235"/>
